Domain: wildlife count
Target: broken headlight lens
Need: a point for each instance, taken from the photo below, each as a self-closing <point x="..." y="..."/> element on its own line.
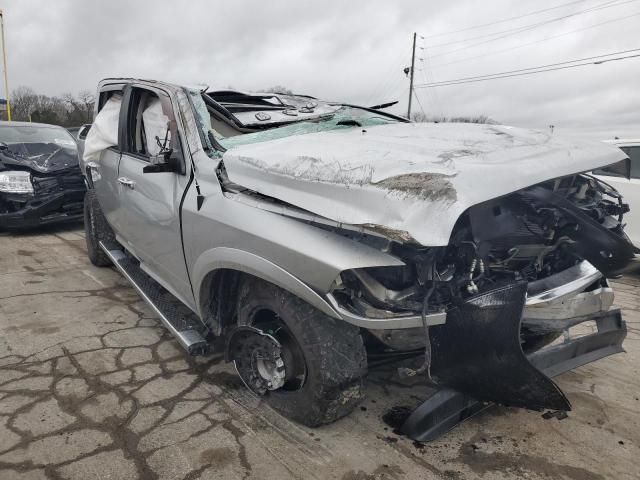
<point x="15" y="182"/>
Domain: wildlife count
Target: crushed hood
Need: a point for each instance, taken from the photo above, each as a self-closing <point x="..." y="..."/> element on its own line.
<point x="40" y="157"/>
<point x="408" y="181"/>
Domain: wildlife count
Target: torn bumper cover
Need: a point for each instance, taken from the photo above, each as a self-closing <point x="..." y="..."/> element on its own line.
<point x="494" y="367"/>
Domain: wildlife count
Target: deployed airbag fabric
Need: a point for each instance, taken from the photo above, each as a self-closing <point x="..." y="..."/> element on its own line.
<point x="104" y="131"/>
<point x="155" y="125"/>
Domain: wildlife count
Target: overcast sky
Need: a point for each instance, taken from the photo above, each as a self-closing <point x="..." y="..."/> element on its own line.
<point x="350" y="51"/>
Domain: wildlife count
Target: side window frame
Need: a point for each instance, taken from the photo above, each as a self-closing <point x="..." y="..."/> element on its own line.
<point x="128" y="113"/>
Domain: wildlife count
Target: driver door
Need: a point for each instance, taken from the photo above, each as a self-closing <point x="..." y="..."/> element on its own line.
<point x="103" y="171"/>
<point x="150" y="199"/>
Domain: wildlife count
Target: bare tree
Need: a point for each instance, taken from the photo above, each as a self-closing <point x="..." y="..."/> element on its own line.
<point x="80" y="108"/>
<point x="66" y="110"/>
<point x="23" y="103"/>
<point x="70" y="100"/>
<point x="87" y="98"/>
<point x="49" y="110"/>
<point x="419" y="117"/>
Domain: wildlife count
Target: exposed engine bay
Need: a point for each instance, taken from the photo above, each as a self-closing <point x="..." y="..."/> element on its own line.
<point x="491" y="347"/>
<point x="525" y="236"/>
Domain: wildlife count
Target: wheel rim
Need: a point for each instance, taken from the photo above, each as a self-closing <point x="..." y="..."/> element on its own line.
<point x="295" y="367"/>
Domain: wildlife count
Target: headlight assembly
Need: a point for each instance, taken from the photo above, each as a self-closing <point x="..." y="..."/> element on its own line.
<point x="16" y="182"/>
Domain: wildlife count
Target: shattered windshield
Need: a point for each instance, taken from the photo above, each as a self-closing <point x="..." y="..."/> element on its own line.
<point x="202" y="116"/>
<point x="344" y="118"/>
<point x="338" y="117"/>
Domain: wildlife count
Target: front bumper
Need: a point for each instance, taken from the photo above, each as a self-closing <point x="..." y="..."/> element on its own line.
<point x="540" y="294"/>
<point x="44" y="209"/>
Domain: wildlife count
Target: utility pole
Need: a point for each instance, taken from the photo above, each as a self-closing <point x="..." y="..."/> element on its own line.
<point x="413" y="62"/>
<point x="4" y="59"/>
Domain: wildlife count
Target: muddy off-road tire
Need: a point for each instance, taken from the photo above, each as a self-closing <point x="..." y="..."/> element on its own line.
<point x="96" y="230"/>
<point x="335" y="361"/>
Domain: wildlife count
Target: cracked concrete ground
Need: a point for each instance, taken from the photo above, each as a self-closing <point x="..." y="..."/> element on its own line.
<point x="91" y="386"/>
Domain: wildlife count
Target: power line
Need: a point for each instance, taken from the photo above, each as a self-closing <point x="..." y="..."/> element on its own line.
<point x="443" y="84"/>
<point x="508" y="33"/>
<point x="608" y="4"/>
<point x="600" y="6"/>
<point x="415" y="94"/>
<point x="551" y="64"/>
<point x="494" y="52"/>
<point x="387" y="81"/>
<point x="398" y="92"/>
<point x="473" y="27"/>
<point x="432" y="94"/>
<point x="427" y="74"/>
<point x="532" y="70"/>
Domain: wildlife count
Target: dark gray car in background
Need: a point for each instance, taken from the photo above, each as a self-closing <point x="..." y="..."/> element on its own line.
<point x="40" y="181"/>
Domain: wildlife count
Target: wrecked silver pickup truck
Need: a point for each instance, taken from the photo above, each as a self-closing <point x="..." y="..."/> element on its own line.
<point x="301" y="235"/>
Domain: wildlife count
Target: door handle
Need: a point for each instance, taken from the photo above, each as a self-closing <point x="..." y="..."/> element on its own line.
<point x="127" y="182"/>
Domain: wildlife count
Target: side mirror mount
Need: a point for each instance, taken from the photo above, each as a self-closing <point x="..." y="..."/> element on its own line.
<point x="162" y="157"/>
<point x="83" y="132"/>
<point x="162" y="162"/>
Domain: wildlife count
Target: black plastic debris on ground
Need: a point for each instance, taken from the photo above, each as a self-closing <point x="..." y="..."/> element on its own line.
<point x="557" y="414"/>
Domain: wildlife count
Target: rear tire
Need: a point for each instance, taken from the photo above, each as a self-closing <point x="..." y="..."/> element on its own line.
<point x="334" y="357"/>
<point x="96" y="230"/>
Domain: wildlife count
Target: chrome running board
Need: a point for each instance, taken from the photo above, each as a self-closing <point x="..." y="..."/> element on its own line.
<point x="183" y="324"/>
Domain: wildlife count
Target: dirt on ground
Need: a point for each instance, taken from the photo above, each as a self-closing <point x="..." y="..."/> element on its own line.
<point x="92" y="386"/>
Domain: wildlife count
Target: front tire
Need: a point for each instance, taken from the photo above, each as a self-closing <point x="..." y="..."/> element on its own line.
<point x="326" y="358"/>
<point x="96" y="230"/>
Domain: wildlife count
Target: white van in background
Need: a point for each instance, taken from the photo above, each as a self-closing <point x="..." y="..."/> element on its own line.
<point x="629" y="188"/>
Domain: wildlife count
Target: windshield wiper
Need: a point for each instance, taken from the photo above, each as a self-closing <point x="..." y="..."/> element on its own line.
<point x="383" y="105"/>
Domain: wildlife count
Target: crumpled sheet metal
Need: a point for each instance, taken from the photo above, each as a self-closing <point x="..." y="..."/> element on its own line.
<point x="409" y="181"/>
